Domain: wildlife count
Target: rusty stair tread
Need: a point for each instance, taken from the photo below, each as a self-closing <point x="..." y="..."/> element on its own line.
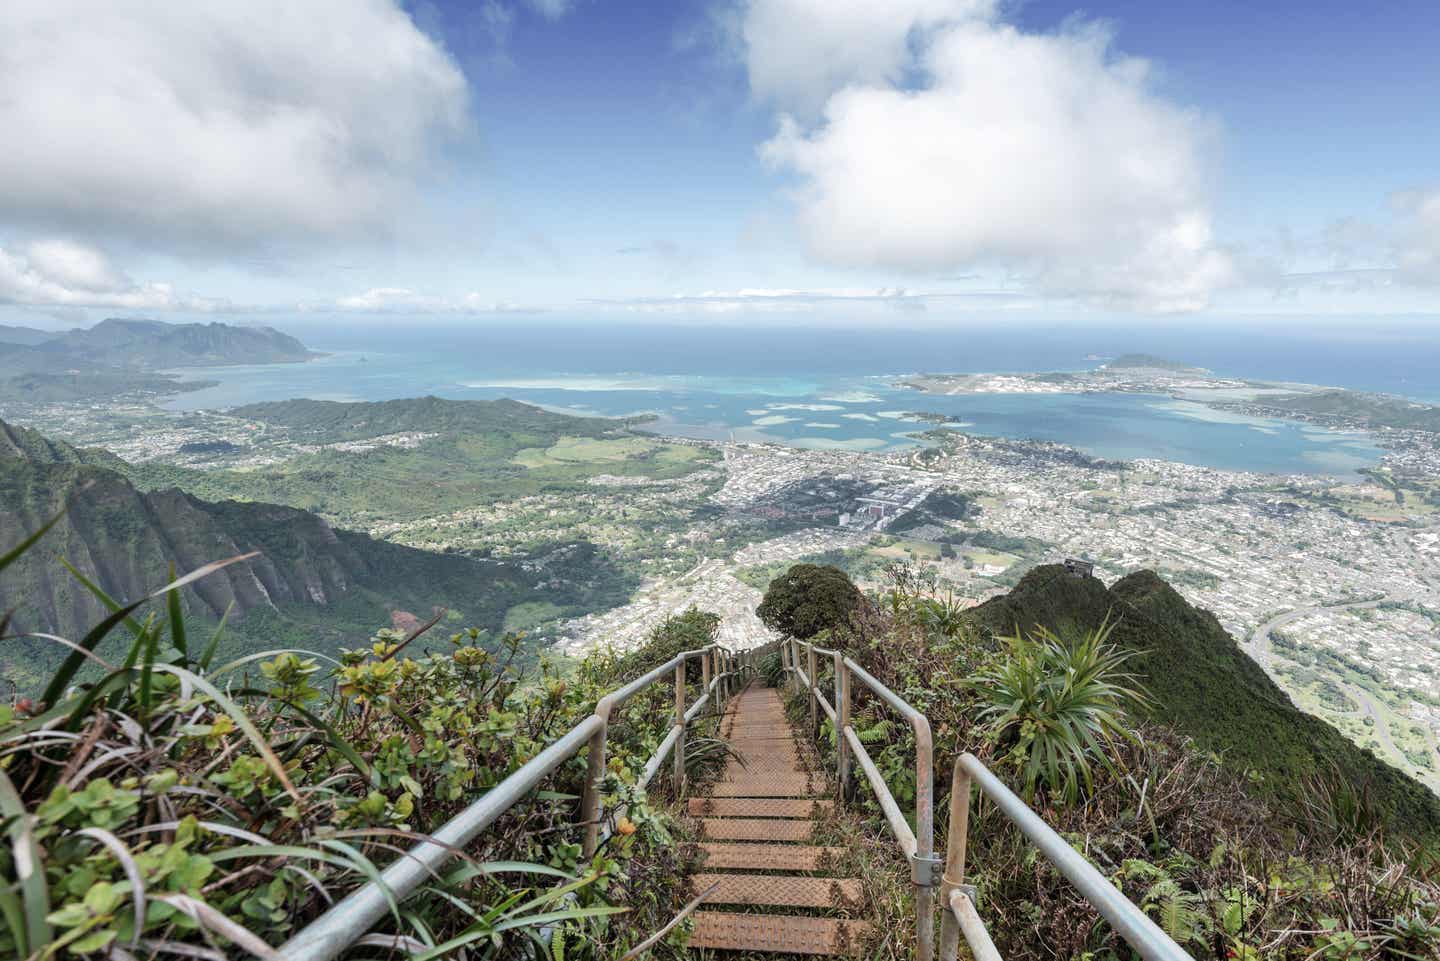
<point x="779" y="890"/>
<point x="758" y="807"/>
<point x="784" y="934"/>
<point x="768" y="857"/>
<point x="774" y="786"/>
<point x="755" y="829"/>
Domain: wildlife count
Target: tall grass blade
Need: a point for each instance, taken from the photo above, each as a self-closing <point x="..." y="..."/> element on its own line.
<point x="29" y="869"/>
<point x="177" y="620"/>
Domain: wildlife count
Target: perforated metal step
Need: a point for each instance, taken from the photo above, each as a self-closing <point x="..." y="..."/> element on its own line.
<point x="796" y="785"/>
<point x="755" y="829"/>
<point x="781" y="933"/>
<point x="768" y="857"/>
<point x="757" y="807"/>
<point x="779" y="890"/>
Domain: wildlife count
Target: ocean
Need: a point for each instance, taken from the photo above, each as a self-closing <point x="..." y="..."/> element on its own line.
<point x="818" y="387"/>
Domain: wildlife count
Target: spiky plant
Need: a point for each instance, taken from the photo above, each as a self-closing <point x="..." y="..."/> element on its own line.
<point x="1055" y="705"/>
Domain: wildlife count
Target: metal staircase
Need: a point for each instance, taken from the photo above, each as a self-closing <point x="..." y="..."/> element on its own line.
<point x="779" y="891"/>
<point x="756" y="828"/>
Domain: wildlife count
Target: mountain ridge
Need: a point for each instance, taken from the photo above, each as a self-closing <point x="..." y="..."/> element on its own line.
<point x="123" y="539"/>
<point x="1207" y="687"/>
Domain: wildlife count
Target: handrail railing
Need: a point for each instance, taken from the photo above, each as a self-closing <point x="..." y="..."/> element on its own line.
<point x="346" y="922"/>
<point x="959" y="914"/>
<point x="1131" y="923"/>
<point x="918" y="845"/>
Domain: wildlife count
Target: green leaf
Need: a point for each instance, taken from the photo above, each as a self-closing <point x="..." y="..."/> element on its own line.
<point x="177" y="619"/>
<point x="28" y="866"/>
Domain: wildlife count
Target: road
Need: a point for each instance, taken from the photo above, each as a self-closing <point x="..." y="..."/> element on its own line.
<point x="1259" y="649"/>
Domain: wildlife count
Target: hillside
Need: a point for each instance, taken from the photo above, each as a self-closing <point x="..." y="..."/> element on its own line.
<point x="26" y="336"/>
<point x="1146" y="362"/>
<point x="1205" y="686"/>
<point x="123" y="358"/>
<point x="328" y="421"/>
<point x="152" y="344"/>
<point x="313" y="584"/>
<point x="31" y="445"/>
<point x="1346" y="407"/>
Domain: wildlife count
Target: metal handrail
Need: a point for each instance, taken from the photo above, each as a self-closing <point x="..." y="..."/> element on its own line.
<point x="959" y="914"/>
<point x="918" y="845"/>
<point x="347" y="921"/>
<point x="1131" y="923"/>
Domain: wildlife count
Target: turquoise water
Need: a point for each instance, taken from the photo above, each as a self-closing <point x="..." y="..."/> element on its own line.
<point x="828" y="408"/>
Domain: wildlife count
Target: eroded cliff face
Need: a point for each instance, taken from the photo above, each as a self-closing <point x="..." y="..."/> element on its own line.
<point x="125" y="541"/>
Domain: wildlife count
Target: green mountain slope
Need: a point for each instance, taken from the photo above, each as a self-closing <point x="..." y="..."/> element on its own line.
<point x="153" y="344"/>
<point x="1205" y="686"/>
<point x="313" y="585"/>
<point x="328" y="421"/>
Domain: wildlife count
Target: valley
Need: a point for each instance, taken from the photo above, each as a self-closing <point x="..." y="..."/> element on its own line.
<point x="1332" y="580"/>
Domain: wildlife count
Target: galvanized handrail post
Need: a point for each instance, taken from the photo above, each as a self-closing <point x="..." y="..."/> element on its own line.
<point x="594" y="774"/>
<point x="814" y="694"/>
<point x="842" y="708"/>
<point x="680" y="723"/>
<point x="955" y="842"/>
<point x="705" y="668"/>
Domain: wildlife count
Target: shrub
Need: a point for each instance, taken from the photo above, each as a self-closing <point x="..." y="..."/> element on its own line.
<point x="175" y="805"/>
<point x="808" y="599"/>
<point x="1054" y="706"/>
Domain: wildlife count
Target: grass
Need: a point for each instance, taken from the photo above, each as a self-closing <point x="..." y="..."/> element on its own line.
<point x="1191" y="836"/>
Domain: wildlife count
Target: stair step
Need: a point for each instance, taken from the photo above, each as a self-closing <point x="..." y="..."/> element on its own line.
<point x="775" y="785"/>
<point x="786" y="891"/>
<point x="755" y="829"/>
<point x="758" y="807"/>
<point x="784" y="934"/>
<point x="768" y="857"/>
<point x="763" y="765"/>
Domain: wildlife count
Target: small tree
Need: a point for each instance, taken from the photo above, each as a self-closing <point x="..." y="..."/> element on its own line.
<point x="808" y="599"/>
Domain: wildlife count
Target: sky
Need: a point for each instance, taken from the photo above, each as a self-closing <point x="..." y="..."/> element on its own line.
<point x="876" y="162"/>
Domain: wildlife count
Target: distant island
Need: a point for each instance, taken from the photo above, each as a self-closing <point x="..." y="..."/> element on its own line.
<point x="1148" y="362"/>
<point x="119" y="357"/>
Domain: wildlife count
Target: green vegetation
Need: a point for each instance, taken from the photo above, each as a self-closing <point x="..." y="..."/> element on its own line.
<point x="1373" y="410"/>
<point x="481" y="452"/>
<point x="1055" y="706"/>
<point x="808" y="599"/>
<point x="177" y="805"/>
<point x="312" y="585"/>
<point x="1207" y="688"/>
<point x="1146" y="362"/>
<point x="1244" y="827"/>
<point x="511" y="422"/>
<point x="118" y="358"/>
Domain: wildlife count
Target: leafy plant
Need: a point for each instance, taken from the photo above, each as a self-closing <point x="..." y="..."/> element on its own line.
<point x="164" y="805"/>
<point x="1054" y="705"/>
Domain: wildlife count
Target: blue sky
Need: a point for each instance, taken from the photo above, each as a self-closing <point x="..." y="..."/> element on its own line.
<point x="753" y="160"/>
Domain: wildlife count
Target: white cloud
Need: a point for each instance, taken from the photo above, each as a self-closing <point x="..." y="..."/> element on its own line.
<point x="214" y="124"/>
<point x="60" y="273"/>
<point x="957" y="141"/>
<point x="797" y="299"/>
<point x="798" y="52"/>
<point x="1417" y="241"/>
<point x="381" y="300"/>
